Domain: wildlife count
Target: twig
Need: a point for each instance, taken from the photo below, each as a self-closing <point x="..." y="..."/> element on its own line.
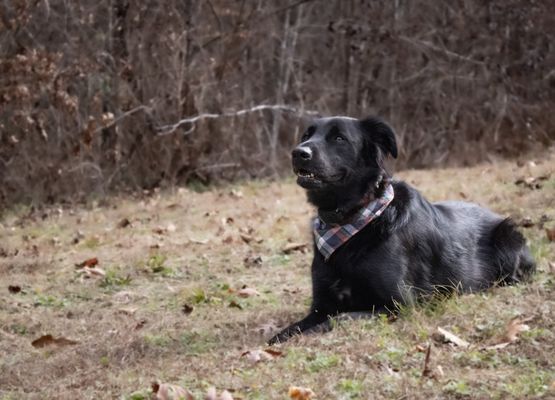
<point x="218" y="166"/>
<point x="122" y="116"/>
<point x="168" y="129"/>
<point x="426" y="370"/>
<point x="432" y="46"/>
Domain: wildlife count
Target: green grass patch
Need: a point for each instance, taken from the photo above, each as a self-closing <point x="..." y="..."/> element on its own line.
<point x="115" y="279"/>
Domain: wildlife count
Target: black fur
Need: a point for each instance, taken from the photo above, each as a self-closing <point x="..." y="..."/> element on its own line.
<point x="413" y="249"/>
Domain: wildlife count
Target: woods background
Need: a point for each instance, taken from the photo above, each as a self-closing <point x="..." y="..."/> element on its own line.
<point x="90" y="90"/>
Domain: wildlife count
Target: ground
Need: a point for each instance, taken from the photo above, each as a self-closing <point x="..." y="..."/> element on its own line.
<point x="169" y="307"/>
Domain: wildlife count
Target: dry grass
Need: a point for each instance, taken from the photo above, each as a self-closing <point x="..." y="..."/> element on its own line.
<point x="185" y="248"/>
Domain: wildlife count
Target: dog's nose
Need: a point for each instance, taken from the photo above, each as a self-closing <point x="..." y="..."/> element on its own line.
<point x="302" y="152"/>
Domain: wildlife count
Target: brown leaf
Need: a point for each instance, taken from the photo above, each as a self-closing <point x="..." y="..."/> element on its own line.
<point x="14" y="289"/>
<point x="550" y="234"/>
<point x="515" y="327"/>
<point x="124" y="223"/>
<point x="301" y="393"/>
<point x="426" y="370"/>
<point x="140" y="324"/>
<point x="291" y="247"/>
<point x="234" y="304"/>
<point x="450" y="337"/>
<point x="165" y="391"/>
<point x="275" y="353"/>
<point x="187" y="309"/>
<point x="255" y="356"/>
<point x="246" y="237"/>
<point x="247" y="292"/>
<point x="47" y="340"/>
<point x="91" y="262"/>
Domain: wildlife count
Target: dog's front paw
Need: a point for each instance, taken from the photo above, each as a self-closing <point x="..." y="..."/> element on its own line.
<point x="284" y="336"/>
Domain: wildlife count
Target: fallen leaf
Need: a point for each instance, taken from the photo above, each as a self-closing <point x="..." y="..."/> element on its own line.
<point x="165" y="391"/>
<point x="226" y="395"/>
<point x="93" y="272"/>
<point x="212" y="394"/>
<point x="301" y="393"/>
<point x="291" y="247"/>
<point x="140" y="324"/>
<point x="123" y="223"/>
<point x="246" y="237"/>
<point x="247" y="292"/>
<point x="515" y="327"/>
<point x="234" y="304"/>
<point x="198" y="241"/>
<point x="498" y="346"/>
<point x="450" y="337"/>
<point x="91" y="262"/>
<point x="128" y="310"/>
<point x="14" y="289"/>
<point x="236" y="193"/>
<point x="47" y="340"/>
<point x="187" y="309"/>
<point x="426" y="371"/>
<point x="550" y="234"/>
<point x="256" y="356"/>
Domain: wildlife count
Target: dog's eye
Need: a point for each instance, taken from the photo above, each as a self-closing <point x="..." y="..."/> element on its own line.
<point x="339" y="138"/>
<point x="309" y="132"/>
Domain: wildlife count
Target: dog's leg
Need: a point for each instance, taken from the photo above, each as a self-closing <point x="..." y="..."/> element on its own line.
<point x="312" y="323"/>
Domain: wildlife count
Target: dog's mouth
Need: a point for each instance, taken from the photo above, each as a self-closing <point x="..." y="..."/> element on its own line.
<point x="306" y="178"/>
<point x="310" y="179"/>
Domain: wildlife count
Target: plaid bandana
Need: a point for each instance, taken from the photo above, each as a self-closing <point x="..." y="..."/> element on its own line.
<point x="329" y="238"/>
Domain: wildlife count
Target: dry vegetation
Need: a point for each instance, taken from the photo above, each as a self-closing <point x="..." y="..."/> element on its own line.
<point x="168" y="306"/>
<point x="88" y="88"/>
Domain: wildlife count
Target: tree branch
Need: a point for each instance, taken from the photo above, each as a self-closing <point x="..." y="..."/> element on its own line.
<point x="169" y="129"/>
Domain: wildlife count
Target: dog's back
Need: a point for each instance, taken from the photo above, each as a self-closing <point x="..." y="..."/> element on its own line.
<point x="492" y="244"/>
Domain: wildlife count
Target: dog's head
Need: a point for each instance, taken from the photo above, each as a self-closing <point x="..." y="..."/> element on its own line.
<point x="342" y="152"/>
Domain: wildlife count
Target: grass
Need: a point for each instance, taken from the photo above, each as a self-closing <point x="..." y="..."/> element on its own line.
<point x="168" y="307"/>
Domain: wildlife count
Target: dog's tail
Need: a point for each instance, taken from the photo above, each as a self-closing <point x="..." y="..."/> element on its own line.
<point x="511" y="259"/>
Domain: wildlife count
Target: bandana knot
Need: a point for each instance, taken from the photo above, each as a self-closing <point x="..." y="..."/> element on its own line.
<point x="329" y="238"/>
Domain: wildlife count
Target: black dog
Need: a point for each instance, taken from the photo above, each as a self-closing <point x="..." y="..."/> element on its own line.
<point x="378" y="242"/>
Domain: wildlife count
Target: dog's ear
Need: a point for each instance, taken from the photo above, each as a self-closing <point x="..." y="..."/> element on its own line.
<point x="380" y="133"/>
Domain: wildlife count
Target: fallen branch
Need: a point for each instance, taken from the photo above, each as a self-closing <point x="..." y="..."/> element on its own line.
<point x="169" y="129"/>
<point x="123" y="116"/>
